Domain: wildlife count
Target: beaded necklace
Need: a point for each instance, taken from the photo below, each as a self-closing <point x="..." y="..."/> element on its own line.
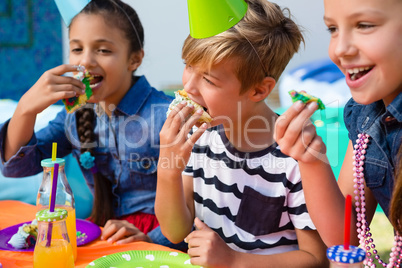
<point x="363" y="230"/>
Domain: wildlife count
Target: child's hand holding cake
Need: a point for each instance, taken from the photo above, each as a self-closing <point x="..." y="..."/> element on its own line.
<point x="50" y="88"/>
<point x="295" y="133"/>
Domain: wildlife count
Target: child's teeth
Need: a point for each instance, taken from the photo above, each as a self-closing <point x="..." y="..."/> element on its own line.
<point x="93" y="85"/>
<point x="357" y="70"/>
<point x="356" y="73"/>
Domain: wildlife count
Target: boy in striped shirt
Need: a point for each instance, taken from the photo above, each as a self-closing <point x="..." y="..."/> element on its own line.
<point x="228" y="178"/>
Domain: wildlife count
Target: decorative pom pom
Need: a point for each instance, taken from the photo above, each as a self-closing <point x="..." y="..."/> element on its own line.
<point x="87" y="160"/>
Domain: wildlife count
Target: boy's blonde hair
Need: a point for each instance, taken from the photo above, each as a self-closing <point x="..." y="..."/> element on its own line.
<point x="262" y="44"/>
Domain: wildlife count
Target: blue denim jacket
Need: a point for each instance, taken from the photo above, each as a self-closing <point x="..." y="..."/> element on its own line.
<point x="384" y="125"/>
<point x="127" y="148"/>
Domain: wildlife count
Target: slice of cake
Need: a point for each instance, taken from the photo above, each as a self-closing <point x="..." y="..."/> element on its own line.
<point x="181" y="95"/>
<point x="76" y="102"/>
<point x="305" y="98"/>
<point x="25" y="236"/>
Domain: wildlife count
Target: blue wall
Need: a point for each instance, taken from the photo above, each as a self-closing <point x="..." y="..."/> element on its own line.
<point x="30" y="44"/>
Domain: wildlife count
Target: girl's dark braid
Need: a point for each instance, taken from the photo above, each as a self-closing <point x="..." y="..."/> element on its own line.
<point x="102" y="209"/>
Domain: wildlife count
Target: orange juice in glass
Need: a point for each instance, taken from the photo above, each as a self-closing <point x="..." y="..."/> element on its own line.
<point x="64" y="196"/>
<point x="71" y="228"/>
<point x="53" y="248"/>
<point x="58" y="254"/>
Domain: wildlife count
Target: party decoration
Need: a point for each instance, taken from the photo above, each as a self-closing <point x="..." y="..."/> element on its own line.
<point x="70" y="8"/>
<point x="211" y="17"/>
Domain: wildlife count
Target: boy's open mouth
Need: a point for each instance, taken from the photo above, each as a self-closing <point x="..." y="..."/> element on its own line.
<point x="203" y="107"/>
<point x="357" y="73"/>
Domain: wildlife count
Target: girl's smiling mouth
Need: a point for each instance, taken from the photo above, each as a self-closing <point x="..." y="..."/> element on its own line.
<point x="356" y="73"/>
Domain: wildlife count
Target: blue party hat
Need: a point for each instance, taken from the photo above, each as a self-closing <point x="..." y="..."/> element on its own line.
<point x="70" y="8"/>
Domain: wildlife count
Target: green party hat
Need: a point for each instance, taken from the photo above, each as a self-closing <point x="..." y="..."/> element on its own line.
<point x="211" y="17"/>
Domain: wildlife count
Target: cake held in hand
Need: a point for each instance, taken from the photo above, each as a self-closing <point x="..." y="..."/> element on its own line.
<point x="181" y="95"/>
<point x="76" y="102"/>
<point x="25" y="236"/>
<point x="306" y="98"/>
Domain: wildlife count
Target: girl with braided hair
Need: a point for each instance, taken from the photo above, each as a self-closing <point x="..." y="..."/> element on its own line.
<point x="114" y="137"/>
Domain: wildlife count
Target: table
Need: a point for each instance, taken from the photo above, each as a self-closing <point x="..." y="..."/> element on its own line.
<point x="13" y="212"/>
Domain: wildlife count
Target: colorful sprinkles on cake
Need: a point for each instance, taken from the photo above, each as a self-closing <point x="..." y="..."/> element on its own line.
<point x="76" y="102"/>
<point x="306" y="98"/>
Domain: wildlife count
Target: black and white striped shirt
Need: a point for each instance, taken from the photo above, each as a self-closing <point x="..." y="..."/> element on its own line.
<point x="253" y="200"/>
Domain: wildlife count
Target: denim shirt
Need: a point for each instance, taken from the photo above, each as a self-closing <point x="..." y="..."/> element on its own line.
<point x="126" y="148"/>
<point x="384" y="125"/>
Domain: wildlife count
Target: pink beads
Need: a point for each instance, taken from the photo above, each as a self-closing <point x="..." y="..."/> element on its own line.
<point x="363" y="231"/>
